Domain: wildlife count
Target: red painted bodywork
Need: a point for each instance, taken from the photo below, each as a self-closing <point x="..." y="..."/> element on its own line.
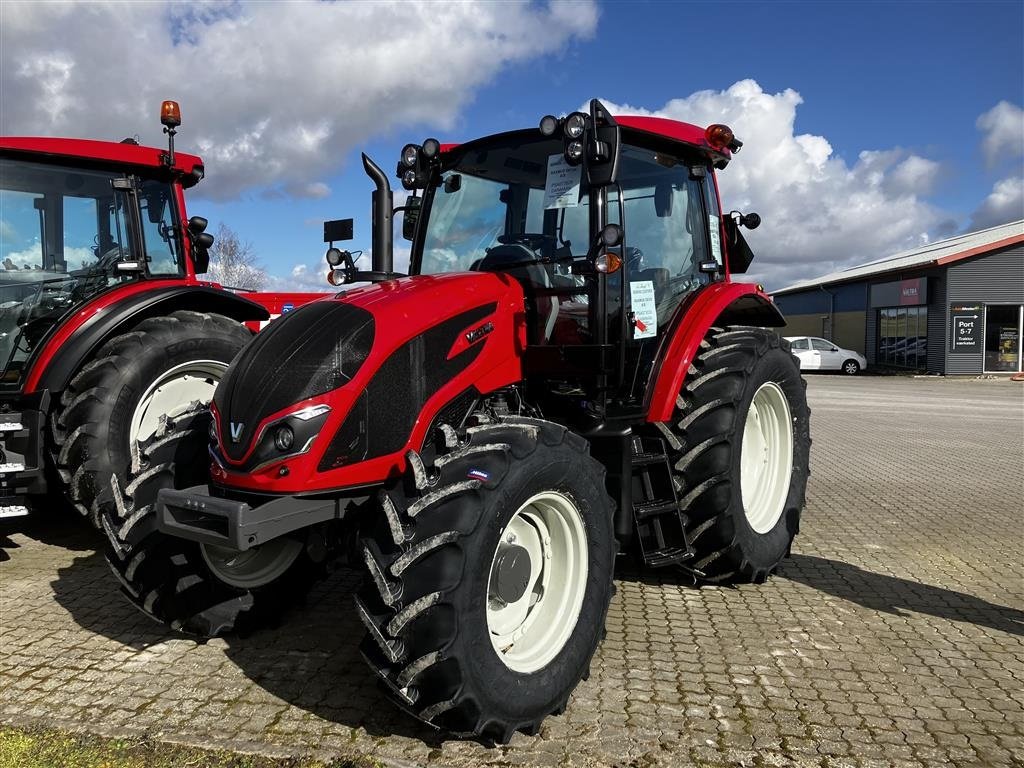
<point x="707" y="306"/>
<point x="402" y="309"/>
<point x="105" y="151"/>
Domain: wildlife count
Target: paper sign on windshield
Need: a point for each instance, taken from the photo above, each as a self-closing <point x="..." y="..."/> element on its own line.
<point x="562" y="188"/>
<point x="645" y="314"/>
<point x="716" y="238"/>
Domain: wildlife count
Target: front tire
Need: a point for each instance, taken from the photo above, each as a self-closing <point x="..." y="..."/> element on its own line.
<point x="194" y="588"/>
<point x="851" y="367"/>
<point x="740" y="440"/>
<point x="158" y="370"/>
<point x="489" y="579"/>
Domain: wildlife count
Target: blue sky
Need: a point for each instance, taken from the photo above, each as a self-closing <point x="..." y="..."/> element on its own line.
<point x="906" y="82"/>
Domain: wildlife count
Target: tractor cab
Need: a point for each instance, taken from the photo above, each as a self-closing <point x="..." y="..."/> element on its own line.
<point x="75" y="227"/>
<point x="609" y="224"/>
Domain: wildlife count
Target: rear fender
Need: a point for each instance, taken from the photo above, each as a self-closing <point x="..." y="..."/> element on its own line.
<point x="115" y="312"/>
<point x="717" y="305"/>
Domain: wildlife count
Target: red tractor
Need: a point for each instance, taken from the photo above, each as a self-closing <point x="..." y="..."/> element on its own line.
<point x="567" y="373"/>
<point x="105" y="331"/>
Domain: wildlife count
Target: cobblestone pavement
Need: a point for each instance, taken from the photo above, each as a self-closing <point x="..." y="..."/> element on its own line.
<point x="893" y="636"/>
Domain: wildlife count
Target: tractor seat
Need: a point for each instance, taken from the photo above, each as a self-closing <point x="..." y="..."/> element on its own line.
<point x="532" y="276"/>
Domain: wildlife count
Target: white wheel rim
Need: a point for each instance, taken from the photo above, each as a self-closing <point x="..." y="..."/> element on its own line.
<point x="172" y="393"/>
<point x="766" y="457"/>
<point x="254" y="567"/>
<point x="529" y="632"/>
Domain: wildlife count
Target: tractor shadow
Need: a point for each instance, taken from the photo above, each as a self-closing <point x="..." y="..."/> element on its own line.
<point x="57" y="525"/>
<point x="875" y="591"/>
<point x="893" y="595"/>
<point x="310" y="660"/>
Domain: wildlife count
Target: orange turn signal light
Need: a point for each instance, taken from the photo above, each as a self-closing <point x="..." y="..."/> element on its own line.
<point x="170" y="114"/>
<point x="719" y="136"/>
<point x="608" y="262"/>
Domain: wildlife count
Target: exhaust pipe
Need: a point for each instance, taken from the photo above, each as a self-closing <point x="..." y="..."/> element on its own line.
<point x="383" y="213"/>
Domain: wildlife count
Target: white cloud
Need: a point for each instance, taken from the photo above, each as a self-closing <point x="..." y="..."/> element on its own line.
<point x="273" y="95"/>
<point x="1003" y="205"/>
<point x="1003" y="126"/>
<point x="819" y="212"/>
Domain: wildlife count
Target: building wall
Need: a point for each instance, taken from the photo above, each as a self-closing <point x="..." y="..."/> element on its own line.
<point x="807" y="314"/>
<point x="938" y="321"/>
<point x="847" y="328"/>
<point x="996" y="278"/>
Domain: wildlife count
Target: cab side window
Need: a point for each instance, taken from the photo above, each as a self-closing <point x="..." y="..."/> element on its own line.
<point x="820" y="345"/>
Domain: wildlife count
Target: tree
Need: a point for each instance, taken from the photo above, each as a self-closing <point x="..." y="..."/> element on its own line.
<point x="232" y="263"/>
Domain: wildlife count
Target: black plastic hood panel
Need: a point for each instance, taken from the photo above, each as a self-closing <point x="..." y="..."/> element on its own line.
<point x="306" y="352"/>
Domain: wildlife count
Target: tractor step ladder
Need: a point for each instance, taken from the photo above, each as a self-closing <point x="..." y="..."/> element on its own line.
<point x="660" y="526"/>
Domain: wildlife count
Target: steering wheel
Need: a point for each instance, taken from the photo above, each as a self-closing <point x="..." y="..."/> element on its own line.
<point x="532" y="240"/>
<point x="634" y="260"/>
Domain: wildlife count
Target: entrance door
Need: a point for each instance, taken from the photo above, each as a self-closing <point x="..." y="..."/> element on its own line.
<point x="1003" y="338"/>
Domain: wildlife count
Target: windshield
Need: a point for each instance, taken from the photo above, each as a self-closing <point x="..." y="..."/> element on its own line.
<point x="504" y="207"/>
<point x="62" y="232"/>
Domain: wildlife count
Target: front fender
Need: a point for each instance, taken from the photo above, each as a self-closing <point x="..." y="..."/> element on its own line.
<point x="718" y="304"/>
<point x="117" y="310"/>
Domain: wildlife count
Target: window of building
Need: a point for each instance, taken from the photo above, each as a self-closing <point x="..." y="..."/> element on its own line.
<point x="1003" y="337"/>
<point x="902" y="336"/>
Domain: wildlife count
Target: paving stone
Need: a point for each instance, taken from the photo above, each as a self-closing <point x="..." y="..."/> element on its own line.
<point x="894" y="635"/>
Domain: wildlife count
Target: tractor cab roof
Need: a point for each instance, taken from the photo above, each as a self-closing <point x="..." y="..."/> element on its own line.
<point x="672" y="131"/>
<point x="125" y="153"/>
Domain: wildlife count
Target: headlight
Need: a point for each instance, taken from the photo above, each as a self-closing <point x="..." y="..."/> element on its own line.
<point x="574" y="152"/>
<point x="284" y="438"/>
<point x="431" y="148"/>
<point x="410" y="153"/>
<point x="575" y="124"/>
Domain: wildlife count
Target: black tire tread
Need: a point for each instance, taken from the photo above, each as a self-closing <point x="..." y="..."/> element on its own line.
<point x="76" y="442"/>
<point x="166" y="577"/>
<point x="416" y="663"/>
<point x="702" y="422"/>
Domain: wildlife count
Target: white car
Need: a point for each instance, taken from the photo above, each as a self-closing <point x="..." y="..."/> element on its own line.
<point x="817" y="354"/>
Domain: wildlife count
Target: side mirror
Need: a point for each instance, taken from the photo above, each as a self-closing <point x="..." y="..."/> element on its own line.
<point x="197" y="225"/>
<point x="411" y="215"/>
<point x="202" y="242"/>
<point x="602" y="151"/>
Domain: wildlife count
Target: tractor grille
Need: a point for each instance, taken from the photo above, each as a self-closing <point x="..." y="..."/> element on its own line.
<point x="386" y="412"/>
<point x="307" y="352"/>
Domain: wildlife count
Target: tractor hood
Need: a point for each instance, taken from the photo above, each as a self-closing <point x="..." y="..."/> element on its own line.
<point x="359" y="378"/>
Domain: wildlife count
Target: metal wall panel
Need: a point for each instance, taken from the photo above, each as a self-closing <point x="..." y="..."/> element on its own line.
<point x="938" y="322"/>
<point x="996" y="278"/>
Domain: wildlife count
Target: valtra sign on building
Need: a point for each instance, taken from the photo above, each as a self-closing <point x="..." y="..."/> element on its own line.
<point x="954" y="307"/>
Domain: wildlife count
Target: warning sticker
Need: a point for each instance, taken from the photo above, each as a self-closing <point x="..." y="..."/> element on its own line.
<point x="716" y="239"/>
<point x="562" y="188"/>
<point x="645" y="313"/>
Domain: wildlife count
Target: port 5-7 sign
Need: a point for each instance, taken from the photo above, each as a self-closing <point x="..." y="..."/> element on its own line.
<point x="965" y="330"/>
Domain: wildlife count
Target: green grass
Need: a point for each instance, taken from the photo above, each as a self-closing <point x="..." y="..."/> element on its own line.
<point x="45" y="748"/>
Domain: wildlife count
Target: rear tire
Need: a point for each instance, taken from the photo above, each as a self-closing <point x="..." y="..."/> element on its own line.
<point x="743" y="395"/>
<point x="104" y="406"/>
<point x="190" y="587"/>
<point x="439" y="590"/>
